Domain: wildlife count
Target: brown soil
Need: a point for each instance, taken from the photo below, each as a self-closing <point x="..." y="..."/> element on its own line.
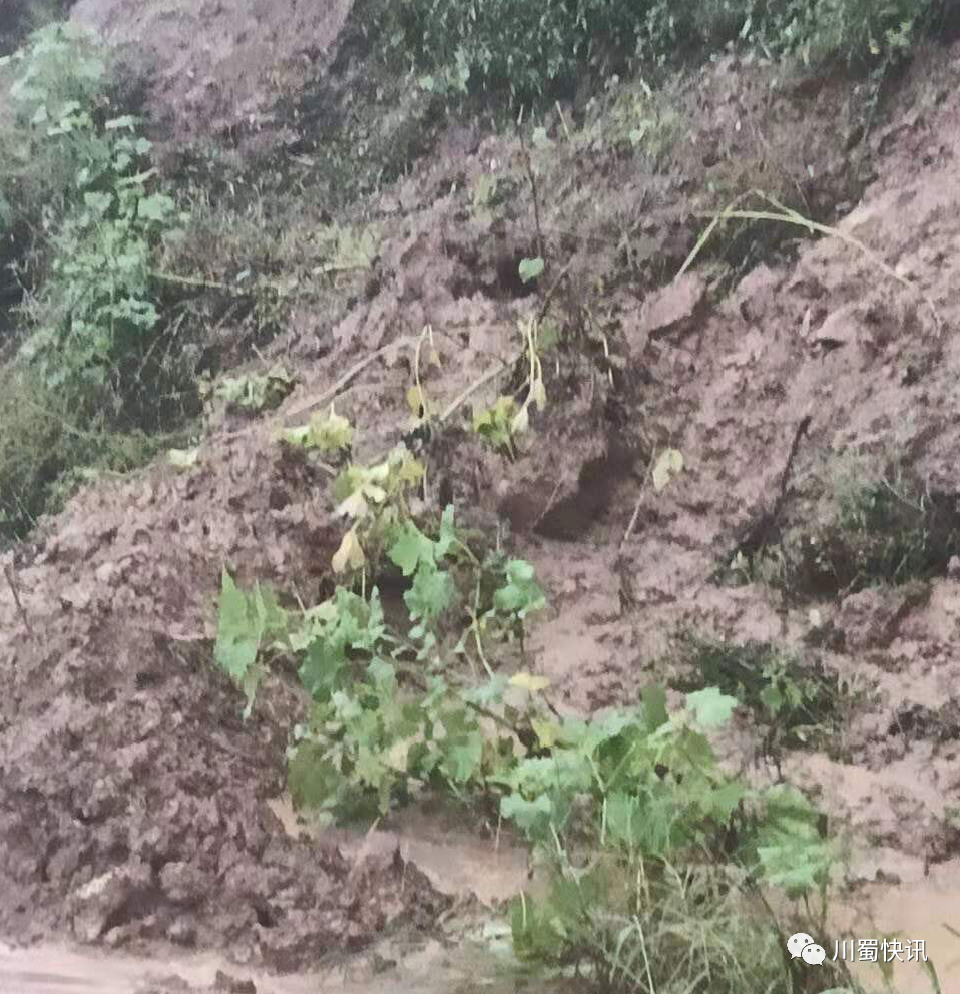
<point x="133" y="799"/>
<point x="217" y="71"/>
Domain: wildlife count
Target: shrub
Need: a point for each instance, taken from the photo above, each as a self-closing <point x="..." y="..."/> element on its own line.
<point x="95" y="312"/>
<point x="44" y="455"/>
<point x="83" y="215"/>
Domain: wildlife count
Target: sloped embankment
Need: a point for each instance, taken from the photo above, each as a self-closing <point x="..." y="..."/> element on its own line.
<point x="132" y="797"/>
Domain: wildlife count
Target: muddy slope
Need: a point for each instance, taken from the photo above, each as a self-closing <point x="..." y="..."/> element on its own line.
<point x="133" y="799"/>
<point x="134" y="796"/>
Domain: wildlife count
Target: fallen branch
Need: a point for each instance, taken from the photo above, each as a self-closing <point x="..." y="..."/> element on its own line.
<point x="787" y="215"/>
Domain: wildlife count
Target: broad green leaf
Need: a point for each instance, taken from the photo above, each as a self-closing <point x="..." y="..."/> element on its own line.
<point x="321" y="668"/>
<point x="530" y="269"/>
<point x="654" y="699"/>
<point x="528" y="816"/>
<point x="411" y="548"/>
<point x="156" y="207"/>
<point x="430" y="595"/>
<point x="239" y="631"/>
<point x="710" y="708"/>
<point x="521" y="594"/>
<point x="464" y="759"/>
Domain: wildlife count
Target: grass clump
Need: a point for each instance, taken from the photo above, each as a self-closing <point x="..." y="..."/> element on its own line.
<point x="44" y="456"/>
<point x="876" y="528"/>
<point x="872" y="525"/>
<point x="798" y="703"/>
<point x="529" y="51"/>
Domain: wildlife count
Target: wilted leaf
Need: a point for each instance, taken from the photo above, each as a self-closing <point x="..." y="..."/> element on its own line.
<point x="350" y="555"/>
<point x="668" y="465"/>
<point x="183" y="458"/>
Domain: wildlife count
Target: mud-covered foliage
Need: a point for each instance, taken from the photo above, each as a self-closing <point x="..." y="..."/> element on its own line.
<point x="435" y="703"/>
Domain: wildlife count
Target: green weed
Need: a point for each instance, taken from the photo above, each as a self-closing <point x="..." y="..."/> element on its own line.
<point x="45" y="456"/>
<point x="80" y="177"/>
<point x="525" y="52"/>
<point x="873" y="527"/>
<point x="255" y="391"/>
<point x="795" y="700"/>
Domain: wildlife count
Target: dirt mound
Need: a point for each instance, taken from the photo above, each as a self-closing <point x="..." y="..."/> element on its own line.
<point x="218" y="70"/>
<point x="134" y="796"/>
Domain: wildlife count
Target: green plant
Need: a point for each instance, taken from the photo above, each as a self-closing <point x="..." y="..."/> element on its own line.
<point x="329" y="434"/>
<point x="506" y="419"/>
<point x="797" y="702"/>
<point x="81" y="179"/>
<point x="495" y="425"/>
<point x="385" y="717"/>
<point x="45" y="455"/>
<point x="636" y="820"/>
<point x="528" y="51"/>
<point x="873" y="526"/>
<point x="255" y="391"/>
<point x="58" y="75"/>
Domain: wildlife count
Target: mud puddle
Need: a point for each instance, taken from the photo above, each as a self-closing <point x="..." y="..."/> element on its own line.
<point x="458" y="862"/>
<point x="926" y="911"/>
<point x="54" y="969"/>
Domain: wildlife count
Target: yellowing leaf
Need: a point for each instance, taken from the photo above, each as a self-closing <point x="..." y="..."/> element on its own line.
<point x="396" y="756"/>
<point x="547" y="732"/>
<point x="350" y="555"/>
<point x="521" y="421"/>
<point x="355" y="506"/>
<point x="529" y="682"/>
<point x="411" y="470"/>
<point x="668" y="465"/>
<point x="417" y="402"/>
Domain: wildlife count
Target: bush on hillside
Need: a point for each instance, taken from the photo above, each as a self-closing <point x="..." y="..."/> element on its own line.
<point x="97" y="362"/>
